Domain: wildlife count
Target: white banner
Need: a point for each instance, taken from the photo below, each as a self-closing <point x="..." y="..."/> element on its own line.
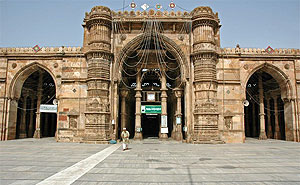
<point x="164" y="130"/>
<point x="48" y="108"/>
<point x="164" y="121"/>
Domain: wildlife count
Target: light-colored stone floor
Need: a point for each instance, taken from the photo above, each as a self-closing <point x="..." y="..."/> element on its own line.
<point x="30" y="161"/>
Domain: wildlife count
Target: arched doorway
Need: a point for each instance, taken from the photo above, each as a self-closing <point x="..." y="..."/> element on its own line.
<point x="268" y="114"/>
<point x="151" y="87"/>
<point x="33" y="87"/>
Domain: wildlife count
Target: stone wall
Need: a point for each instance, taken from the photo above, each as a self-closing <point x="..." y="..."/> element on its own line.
<point x="67" y="66"/>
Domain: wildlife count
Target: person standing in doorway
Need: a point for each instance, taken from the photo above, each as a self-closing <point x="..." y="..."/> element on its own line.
<point x="125" y="138"/>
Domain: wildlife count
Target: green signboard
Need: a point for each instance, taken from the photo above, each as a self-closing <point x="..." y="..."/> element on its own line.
<point x="151" y="109"/>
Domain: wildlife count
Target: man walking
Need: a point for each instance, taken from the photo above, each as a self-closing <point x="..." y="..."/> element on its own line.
<point x="125" y="139"/>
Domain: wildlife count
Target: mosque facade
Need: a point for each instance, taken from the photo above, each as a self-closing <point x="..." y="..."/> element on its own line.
<point x="159" y="74"/>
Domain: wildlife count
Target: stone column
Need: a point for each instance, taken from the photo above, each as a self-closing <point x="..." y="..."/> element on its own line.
<point x="22" y="133"/>
<point x="178" y="131"/>
<point x="10" y="103"/>
<point x="31" y="121"/>
<point x="247" y="121"/>
<point x="270" y="134"/>
<point x="262" y="134"/>
<point x="37" y="133"/>
<point x="115" y="111"/>
<point x="277" y="130"/>
<point x="138" y="98"/>
<point x="124" y="93"/>
<point x="253" y="120"/>
<point x="164" y="97"/>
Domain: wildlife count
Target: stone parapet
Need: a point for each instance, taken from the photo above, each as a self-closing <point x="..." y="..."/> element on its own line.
<point x="44" y="50"/>
<point x="260" y="51"/>
<point x="151" y="12"/>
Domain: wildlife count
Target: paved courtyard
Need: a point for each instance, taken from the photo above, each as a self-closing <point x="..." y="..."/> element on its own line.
<point x="44" y="161"/>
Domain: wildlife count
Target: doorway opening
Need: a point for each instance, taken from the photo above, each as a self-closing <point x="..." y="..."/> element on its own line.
<point x="38" y="88"/>
<point x="273" y="107"/>
<point x="150" y="125"/>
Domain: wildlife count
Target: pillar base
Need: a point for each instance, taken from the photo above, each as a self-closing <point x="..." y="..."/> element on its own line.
<point x="138" y="136"/>
<point x="163" y="136"/>
<point x="277" y="135"/>
<point x="22" y="135"/>
<point x="270" y="135"/>
<point x="262" y="136"/>
<point x="189" y="138"/>
<point x="37" y="134"/>
<point x="178" y="136"/>
<point x="173" y="135"/>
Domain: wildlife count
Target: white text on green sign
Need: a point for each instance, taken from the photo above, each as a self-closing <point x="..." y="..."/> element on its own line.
<point x="151" y="109"/>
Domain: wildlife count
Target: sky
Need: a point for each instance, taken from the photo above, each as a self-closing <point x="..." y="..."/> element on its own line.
<point x="249" y="23"/>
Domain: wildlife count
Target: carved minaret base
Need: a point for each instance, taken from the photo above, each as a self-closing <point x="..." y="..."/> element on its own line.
<point x="97" y="48"/>
<point x="97" y="127"/>
<point x="205" y="27"/>
<point x="206" y="111"/>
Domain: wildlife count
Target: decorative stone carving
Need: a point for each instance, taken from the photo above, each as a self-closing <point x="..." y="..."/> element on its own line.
<point x="228" y="120"/>
<point x="14" y="65"/>
<point x="287" y="66"/>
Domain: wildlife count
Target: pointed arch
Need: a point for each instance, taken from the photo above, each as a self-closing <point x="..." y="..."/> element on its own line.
<point x="20" y="77"/>
<point x="171" y="46"/>
<point x="286" y="95"/>
<point x="281" y="78"/>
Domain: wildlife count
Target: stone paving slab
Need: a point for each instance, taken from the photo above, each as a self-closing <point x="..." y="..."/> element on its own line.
<point x="29" y="161"/>
<point x="273" y="162"/>
<point x="254" y="162"/>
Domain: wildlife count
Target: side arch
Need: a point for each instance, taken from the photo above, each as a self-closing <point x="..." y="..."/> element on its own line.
<point x="286" y="94"/>
<point x="18" y="80"/>
<point x="15" y="92"/>
<point x="281" y="78"/>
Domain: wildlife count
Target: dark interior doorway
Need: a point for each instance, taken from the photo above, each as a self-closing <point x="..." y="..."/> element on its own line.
<point x="27" y="106"/>
<point x="150" y="125"/>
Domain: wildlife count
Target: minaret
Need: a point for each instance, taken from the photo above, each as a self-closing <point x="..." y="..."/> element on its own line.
<point x="205" y="27"/>
<point x="97" y="48"/>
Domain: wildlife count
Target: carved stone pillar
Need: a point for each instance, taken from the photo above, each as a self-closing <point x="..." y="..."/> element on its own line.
<point x="205" y="25"/>
<point x="270" y="134"/>
<point x="262" y="134"/>
<point x="277" y="130"/>
<point x="22" y="133"/>
<point x="31" y="121"/>
<point x="178" y="115"/>
<point x="97" y="48"/>
<point x="124" y="93"/>
<point x="37" y="132"/>
<point x="164" y="113"/>
<point x="254" y="129"/>
<point x="138" y="115"/>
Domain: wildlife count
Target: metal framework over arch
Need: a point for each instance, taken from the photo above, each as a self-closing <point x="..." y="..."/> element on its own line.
<point x="171" y="46"/>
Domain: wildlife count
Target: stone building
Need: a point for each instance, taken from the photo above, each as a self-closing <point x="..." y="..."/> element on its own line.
<point x="159" y="74"/>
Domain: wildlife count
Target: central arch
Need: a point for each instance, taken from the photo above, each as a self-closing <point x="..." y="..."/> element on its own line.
<point x="171" y="47"/>
<point x="172" y="50"/>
